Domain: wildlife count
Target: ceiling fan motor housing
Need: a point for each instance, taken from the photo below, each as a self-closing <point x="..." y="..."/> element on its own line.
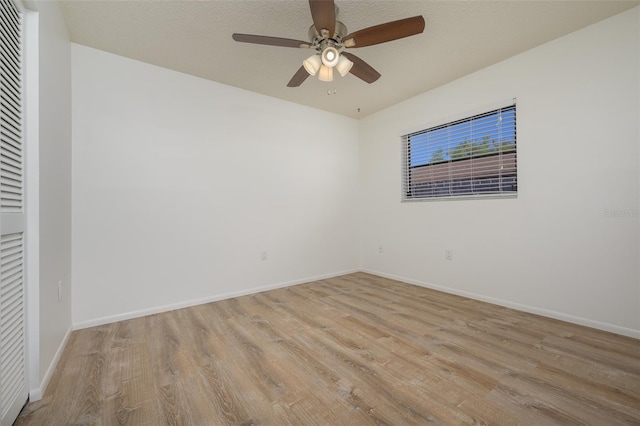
<point x="335" y="38"/>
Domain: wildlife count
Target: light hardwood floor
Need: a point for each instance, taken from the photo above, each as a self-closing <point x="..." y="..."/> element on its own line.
<point x="357" y="349"/>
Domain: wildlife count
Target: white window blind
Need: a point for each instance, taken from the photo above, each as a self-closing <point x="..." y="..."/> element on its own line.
<point x="472" y="157"/>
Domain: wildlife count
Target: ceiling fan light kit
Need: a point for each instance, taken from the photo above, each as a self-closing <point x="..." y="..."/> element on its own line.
<point x="326" y="35"/>
<point x="344" y="66"/>
<point x="330" y="56"/>
<point x="326" y="73"/>
<point x="312" y="64"/>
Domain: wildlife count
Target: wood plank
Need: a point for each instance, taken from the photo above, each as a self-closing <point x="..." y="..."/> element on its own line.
<point x="356" y="349"/>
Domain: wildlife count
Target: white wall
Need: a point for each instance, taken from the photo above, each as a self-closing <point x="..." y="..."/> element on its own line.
<point x="552" y="250"/>
<point x="54" y="199"/>
<point x="179" y="184"/>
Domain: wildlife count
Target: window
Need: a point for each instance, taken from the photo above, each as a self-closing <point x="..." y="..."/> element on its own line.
<point x="473" y="157"/>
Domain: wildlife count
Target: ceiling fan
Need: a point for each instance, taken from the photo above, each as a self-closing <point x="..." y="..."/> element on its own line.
<point x="327" y="37"/>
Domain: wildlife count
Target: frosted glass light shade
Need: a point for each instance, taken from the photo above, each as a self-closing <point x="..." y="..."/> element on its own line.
<point x="325" y="74"/>
<point x="344" y="66"/>
<point x="312" y="64"/>
<point x="330" y="57"/>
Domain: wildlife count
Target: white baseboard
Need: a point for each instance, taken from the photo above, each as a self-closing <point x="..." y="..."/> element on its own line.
<point x="520" y="307"/>
<point x="214" y="298"/>
<point x="36" y="394"/>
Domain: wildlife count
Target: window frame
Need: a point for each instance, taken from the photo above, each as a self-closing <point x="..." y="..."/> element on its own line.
<point x="409" y="192"/>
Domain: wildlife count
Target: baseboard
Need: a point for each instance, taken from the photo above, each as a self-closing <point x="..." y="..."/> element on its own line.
<point x="214" y="298"/>
<point x="36" y="394"/>
<point x="194" y="302"/>
<point x="517" y="306"/>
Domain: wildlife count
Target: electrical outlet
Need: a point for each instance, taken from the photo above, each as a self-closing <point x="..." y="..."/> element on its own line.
<point x="448" y="254"/>
<point x="264" y="255"/>
<point x="60" y="291"/>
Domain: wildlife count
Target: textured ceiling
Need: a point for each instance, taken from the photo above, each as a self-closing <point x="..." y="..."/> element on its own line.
<point x="194" y="37"/>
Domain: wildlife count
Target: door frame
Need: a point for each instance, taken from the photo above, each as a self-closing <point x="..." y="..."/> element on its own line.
<point x="32" y="196"/>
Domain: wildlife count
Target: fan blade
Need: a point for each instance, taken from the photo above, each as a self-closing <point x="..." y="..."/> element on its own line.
<point x="298" y="78"/>
<point x="270" y="41"/>
<point x="323" y="13"/>
<point x="385" y="32"/>
<point x="361" y="69"/>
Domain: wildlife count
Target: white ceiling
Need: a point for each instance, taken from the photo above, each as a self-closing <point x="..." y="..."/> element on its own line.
<point x="194" y="37"/>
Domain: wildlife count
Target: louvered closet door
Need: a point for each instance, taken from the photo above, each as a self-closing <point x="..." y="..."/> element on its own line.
<point x="13" y="378"/>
